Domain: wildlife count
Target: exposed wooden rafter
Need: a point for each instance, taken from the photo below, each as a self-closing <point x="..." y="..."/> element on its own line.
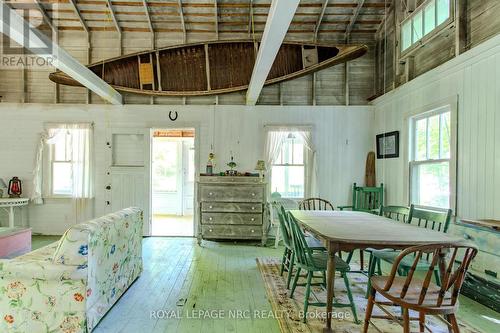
<point x="216" y="20"/>
<point x="353" y="20"/>
<point x="79" y="15"/>
<point x="250" y="18"/>
<point x="278" y="20"/>
<point x="150" y="24"/>
<point x="320" y="19"/>
<point x="183" y="22"/>
<point x="39" y="43"/>
<point x="46" y="16"/>
<point x="117" y="25"/>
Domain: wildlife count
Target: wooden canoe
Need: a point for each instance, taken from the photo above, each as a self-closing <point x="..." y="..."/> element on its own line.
<point x="211" y="68"/>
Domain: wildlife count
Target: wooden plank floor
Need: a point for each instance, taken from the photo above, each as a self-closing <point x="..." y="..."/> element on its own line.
<point x="181" y="276"/>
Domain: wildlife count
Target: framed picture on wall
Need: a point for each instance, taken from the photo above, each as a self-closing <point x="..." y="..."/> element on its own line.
<point x="388" y="145"/>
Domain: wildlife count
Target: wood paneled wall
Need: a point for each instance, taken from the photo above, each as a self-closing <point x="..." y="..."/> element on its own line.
<point x="329" y="86"/>
<point x="343" y="136"/>
<point x="482" y="22"/>
<point x="472" y="79"/>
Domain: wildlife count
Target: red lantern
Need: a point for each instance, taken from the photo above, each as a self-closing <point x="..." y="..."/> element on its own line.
<point x="15" y="188"/>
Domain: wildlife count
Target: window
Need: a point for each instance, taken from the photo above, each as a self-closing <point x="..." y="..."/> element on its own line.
<point x="69" y="172"/>
<point x="430" y="17"/>
<point x="430" y="159"/>
<point x="289" y="168"/>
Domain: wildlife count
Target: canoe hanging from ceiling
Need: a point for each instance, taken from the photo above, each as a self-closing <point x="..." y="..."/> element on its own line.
<point x="211" y="68"/>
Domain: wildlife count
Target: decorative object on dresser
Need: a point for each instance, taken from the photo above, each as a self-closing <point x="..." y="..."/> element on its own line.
<point x="210" y="164"/>
<point x="15" y="188"/>
<point x="232" y="164"/>
<point x="232" y="208"/>
<point x="2" y="187"/>
<point x="261" y="167"/>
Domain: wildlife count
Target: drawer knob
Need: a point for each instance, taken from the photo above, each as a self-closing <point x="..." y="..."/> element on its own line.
<point x="253" y="219"/>
<point x="211" y="193"/>
<point x="210" y="207"/>
<point x="253" y="231"/>
<point x="253" y="194"/>
<point x="210" y="230"/>
<point x="210" y="219"/>
<point x="253" y="207"/>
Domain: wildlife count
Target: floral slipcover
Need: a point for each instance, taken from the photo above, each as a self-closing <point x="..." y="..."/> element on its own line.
<point x="69" y="286"/>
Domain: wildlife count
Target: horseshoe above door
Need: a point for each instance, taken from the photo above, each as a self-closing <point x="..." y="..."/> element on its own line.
<point x="173" y="118"/>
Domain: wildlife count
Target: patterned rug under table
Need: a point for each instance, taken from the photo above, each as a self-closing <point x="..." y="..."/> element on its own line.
<point x="289" y="312"/>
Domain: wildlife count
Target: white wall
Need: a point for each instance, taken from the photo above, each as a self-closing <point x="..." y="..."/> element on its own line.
<point x="473" y="79"/>
<point x="343" y="137"/>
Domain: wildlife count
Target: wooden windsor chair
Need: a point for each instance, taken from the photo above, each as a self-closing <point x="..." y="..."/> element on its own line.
<point x="421" y="295"/>
<point x="315" y="204"/>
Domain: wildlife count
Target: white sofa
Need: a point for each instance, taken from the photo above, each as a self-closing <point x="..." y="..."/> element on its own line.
<point x="69" y="286"/>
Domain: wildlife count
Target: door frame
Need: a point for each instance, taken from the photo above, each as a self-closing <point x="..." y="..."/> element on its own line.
<point x="197" y="145"/>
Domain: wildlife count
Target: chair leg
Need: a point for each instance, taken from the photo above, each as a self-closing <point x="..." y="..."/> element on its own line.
<point x="294" y="285"/>
<point x="369" y="309"/>
<point x="454" y="324"/>
<point x="307" y="294"/>
<point x="351" y="300"/>
<point x="406" y="321"/>
<point x="379" y="269"/>
<point x="437" y="277"/>
<point x="285" y="257"/>
<point x="277" y="239"/>
<point x="324" y="278"/>
<point x="371" y="271"/>
<point x="361" y="260"/>
<point x="290" y="270"/>
<point x="421" y="322"/>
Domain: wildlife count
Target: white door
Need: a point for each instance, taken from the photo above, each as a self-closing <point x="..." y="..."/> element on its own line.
<point x="129" y="172"/>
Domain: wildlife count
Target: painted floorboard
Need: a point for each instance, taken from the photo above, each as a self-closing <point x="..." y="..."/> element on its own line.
<point x="181" y="276"/>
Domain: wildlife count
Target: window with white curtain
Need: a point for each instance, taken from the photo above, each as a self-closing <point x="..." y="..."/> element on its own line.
<point x="289" y="168"/>
<point x="430" y="159"/>
<point x="69" y="161"/>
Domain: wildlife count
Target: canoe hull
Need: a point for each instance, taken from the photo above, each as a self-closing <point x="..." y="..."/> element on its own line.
<point x="211" y="68"/>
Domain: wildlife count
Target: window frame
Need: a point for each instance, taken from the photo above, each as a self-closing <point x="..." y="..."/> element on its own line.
<point x="447" y="105"/>
<point x="425" y="38"/>
<point x="50" y="176"/>
<point x="304" y="164"/>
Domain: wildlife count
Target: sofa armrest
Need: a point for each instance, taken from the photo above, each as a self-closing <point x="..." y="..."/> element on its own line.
<point x="41" y="270"/>
<point x="345" y="207"/>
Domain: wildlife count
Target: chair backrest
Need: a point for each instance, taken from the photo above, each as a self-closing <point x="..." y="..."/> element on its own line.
<point x="458" y="257"/>
<point x="367" y="198"/>
<point x="315" y="204"/>
<point x="429" y="219"/>
<point x="398" y="213"/>
<point x="285" y="230"/>
<point x="303" y="253"/>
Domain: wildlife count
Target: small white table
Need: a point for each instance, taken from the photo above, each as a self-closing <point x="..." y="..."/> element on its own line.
<point x="8" y="205"/>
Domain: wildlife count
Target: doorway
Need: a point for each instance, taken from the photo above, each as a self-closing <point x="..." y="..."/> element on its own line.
<point x="172" y="182"/>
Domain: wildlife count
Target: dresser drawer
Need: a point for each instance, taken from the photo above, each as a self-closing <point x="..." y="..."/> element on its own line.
<point x="238" y="193"/>
<point x="231" y="231"/>
<point x="231" y="218"/>
<point x="231" y="207"/>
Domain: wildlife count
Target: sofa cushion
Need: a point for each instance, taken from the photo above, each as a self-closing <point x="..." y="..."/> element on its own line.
<point x="73" y="247"/>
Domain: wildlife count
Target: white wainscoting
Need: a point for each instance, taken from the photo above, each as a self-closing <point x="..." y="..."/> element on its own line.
<point x="472" y="79"/>
<point x="343" y="136"/>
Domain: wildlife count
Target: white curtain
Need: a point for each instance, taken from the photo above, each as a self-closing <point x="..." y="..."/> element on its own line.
<point x="275" y="136"/>
<point x="82" y="161"/>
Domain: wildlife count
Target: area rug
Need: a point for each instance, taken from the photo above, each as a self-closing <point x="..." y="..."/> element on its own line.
<point x="289" y="312"/>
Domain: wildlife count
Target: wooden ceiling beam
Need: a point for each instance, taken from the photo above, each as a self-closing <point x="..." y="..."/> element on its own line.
<point x="150" y="24"/>
<point x="113" y="16"/>
<point x="79" y="15"/>
<point x="216" y="8"/>
<point x="320" y="18"/>
<point x="42" y="46"/>
<point x="279" y="18"/>
<point x="250" y="18"/>
<point x="46" y="16"/>
<point x="354" y="17"/>
<point x="183" y="22"/>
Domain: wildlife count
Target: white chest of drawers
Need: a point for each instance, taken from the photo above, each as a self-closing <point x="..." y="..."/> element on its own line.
<point x="231" y="208"/>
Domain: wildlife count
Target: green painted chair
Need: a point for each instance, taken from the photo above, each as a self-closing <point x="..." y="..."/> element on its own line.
<point x="288" y="260"/>
<point x="313" y="262"/>
<point x="397" y="213"/>
<point x="366" y="199"/>
<point x="434" y="220"/>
